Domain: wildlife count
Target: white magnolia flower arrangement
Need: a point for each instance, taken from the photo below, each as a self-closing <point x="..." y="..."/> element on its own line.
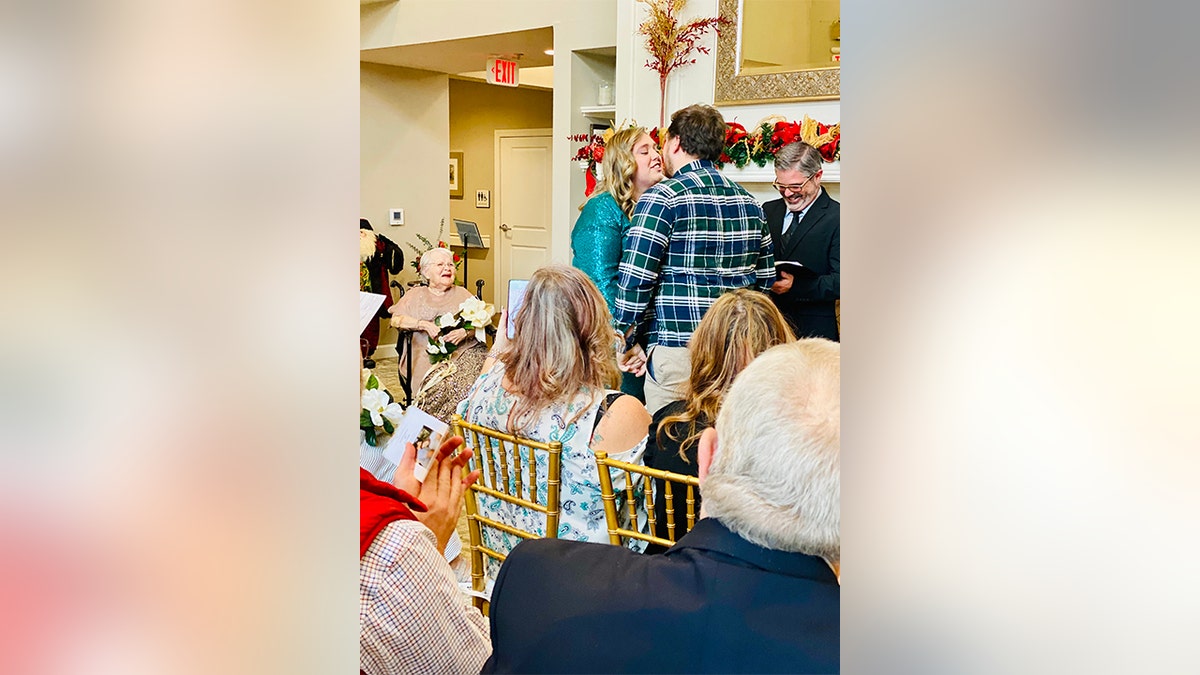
<point x="380" y="414"/>
<point x="472" y="315"/>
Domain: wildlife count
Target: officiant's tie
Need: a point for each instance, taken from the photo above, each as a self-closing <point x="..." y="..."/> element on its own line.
<point x="790" y="227"/>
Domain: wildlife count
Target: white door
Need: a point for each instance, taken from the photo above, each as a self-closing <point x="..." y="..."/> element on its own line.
<point x="523" y="205"/>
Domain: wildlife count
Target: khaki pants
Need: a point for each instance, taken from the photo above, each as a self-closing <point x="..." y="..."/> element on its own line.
<point x="667" y="372"/>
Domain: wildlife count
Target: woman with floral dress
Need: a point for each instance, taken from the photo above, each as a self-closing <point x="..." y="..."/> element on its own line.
<point x="555" y="381"/>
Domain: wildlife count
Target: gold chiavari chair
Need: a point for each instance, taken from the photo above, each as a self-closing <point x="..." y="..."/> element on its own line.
<point x="508" y="472"/>
<point x="671" y="482"/>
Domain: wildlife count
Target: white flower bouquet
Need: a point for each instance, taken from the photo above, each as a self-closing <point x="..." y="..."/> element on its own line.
<point x="380" y="414"/>
<point x="473" y="315"/>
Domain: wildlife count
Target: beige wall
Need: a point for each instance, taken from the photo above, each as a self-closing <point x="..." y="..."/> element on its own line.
<point x="403" y="115"/>
<point x="789" y="33"/>
<point x="477" y="110"/>
<point x="581" y="24"/>
<point x="578" y="25"/>
<point x="410" y="121"/>
<point x="772" y="31"/>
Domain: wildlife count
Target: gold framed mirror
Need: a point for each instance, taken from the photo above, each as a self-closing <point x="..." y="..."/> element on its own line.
<point x="756" y="63"/>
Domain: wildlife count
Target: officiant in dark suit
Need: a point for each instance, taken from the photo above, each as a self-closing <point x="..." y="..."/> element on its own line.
<point x="805" y="227"/>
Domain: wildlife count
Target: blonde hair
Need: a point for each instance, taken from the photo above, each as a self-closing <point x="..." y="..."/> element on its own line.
<point x="618" y="169"/>
<point x="739" y="326"/>
<point x="563" y="344"/>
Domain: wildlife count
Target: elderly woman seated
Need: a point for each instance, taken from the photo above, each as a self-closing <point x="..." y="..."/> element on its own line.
<point x="554" y="381"/>
<point x="437" y="389"/>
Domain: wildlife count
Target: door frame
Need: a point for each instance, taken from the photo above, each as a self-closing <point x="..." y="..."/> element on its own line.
<point x="497" y="197"/>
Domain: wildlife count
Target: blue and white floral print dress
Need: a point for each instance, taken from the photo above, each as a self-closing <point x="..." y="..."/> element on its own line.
<point x="582" y="511"/>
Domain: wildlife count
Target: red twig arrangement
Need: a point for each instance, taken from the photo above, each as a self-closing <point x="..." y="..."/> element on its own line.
<point x="671" y="43"/>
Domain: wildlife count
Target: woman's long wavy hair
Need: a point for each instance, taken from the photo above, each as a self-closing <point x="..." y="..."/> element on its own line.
<point x="739" y="326"/>
<point x="618" y="167"/>
<point x="563" y="344"/>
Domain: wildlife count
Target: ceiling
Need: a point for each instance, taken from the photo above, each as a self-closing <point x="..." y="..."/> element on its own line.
<point x="468" y="54"/>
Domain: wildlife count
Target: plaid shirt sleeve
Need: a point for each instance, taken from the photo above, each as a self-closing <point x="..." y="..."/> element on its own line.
<point x="645" y="246"/>
<point x="765" y="269"/>
<point x="412" y="616"/>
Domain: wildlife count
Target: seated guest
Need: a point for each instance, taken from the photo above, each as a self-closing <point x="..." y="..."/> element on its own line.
<point x="412" y="617"/>
<point x="554" y="382"/>
<point x="753" y="588"/>
<point x="738" y="327"/>
<point x="416" y="312"/>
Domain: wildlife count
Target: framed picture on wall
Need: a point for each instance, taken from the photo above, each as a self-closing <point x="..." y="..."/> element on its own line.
<point x="456" y="175"/>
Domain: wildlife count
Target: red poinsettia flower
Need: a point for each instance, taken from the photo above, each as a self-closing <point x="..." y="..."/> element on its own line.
<point x="784" y="133"/>
<point x="734" y="132"/>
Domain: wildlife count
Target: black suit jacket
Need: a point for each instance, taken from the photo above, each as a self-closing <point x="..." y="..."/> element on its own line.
<point x="713" y="603"/>
<point x="809" y="305"/>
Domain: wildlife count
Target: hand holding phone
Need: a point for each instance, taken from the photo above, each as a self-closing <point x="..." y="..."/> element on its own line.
<point x="516" y="297"/>
<point x="500" y="341"/>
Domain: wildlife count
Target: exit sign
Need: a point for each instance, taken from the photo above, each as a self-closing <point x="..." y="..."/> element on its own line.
<point x="502" y="72"/>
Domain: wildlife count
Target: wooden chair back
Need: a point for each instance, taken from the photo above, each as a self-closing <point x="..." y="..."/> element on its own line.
<point x="677" y="525"/>
<point x="509" y="473"/>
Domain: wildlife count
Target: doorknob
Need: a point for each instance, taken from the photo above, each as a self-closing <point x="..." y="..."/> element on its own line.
<point x="505" y="226"/>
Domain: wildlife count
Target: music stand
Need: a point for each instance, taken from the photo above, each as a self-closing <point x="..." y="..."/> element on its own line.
<point x="468" y="237"/>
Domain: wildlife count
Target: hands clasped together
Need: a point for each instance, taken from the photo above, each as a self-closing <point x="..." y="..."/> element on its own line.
<point x="632" y="361"/>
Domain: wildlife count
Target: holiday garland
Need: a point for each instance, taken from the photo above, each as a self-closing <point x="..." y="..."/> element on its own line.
<point x="772" y="133"/>
<point x="742" y="147"/>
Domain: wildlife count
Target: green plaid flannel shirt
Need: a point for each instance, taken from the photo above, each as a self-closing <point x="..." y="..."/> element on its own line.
<point x="694" y="236"/>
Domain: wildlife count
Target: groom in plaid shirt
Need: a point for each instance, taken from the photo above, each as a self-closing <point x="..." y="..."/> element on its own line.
<point x="694" y="236"/>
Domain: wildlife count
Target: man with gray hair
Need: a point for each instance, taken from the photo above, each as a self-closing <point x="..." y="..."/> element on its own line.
<point x="805" y="224"/>
<point x="753" y="587"/>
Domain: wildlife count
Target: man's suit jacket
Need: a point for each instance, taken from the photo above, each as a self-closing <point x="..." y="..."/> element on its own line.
<point x="714" y="602"/>
<point x="809" y="305"/>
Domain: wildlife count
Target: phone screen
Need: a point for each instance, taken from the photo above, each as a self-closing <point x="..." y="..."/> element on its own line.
<point x="516" y="296"/>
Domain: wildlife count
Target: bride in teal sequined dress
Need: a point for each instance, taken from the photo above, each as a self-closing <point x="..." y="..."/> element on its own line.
<point x="631" y="165"/>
